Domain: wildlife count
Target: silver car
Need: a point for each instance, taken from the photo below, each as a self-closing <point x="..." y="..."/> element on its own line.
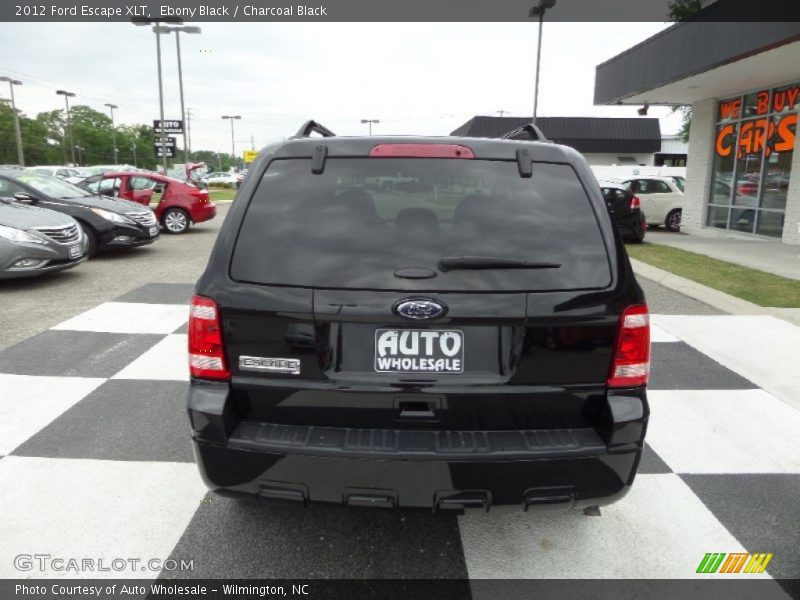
<point x="35" y="241"/>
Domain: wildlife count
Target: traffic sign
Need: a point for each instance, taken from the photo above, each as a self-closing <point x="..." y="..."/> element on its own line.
<point x="171" y="141"/>
<point x="170" y="151"/>
<point x="170" y="126"/>
<point x="249" y="155"/>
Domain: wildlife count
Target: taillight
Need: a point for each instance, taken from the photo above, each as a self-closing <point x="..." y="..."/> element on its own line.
<point x="631" y="364"/>
<point x="206" y="354"/>
<point x="421" y="151"/>
<point x="635" y="204"/>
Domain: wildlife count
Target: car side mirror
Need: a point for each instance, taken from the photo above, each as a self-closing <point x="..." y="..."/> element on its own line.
<point x="23" y="197"/>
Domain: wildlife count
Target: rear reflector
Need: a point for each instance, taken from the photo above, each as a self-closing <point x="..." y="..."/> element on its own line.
<point x="206" y="354"/>
<point x="421" y="151"/>
<point x="635" y="204"/>
<point x="631" y="363"/>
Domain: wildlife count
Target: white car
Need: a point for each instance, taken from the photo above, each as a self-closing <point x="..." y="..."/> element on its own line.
<point x="220" y="178"/>
<point x="66" y="173"/>
<point x="661" y="200"/>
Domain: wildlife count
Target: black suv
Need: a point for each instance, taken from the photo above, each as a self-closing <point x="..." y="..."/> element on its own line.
<point x="625" y="210"/>
<point x="445" y="323"/>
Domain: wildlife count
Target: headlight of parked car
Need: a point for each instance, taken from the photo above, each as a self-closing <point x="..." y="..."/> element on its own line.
<point x="113" y="217"/>
<point x="18" y="235"/>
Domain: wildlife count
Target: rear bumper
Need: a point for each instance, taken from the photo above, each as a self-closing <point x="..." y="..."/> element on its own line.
<point x="125" y="236"/>
<point x="204" y="211"/>
<point x="441" y="470"/>
<point x="632" y="228"/>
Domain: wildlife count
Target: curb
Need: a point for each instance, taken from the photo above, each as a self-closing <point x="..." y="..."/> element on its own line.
<point x="719" y="300"/>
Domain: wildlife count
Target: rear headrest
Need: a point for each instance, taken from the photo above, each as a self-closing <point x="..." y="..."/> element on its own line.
<point x="473" y="208"/>
<point x="358" y="200"/>
<point x="417" y="220"/>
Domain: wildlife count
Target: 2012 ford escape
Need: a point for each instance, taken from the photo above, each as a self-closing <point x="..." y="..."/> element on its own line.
<point x="445" y="323"/>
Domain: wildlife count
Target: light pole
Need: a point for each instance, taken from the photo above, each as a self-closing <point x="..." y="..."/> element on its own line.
<point x="232" y="118"/>
<point x="17" y="130"/>
<point x="156" y="30"/>
<point x="67" y="95"/>
<point x="178" y="30"/>
<point x="369" y="122"/>
<point x="538" y="11"/>
<point x="111" y="108"/>
<point x="80" y="150"/>
<point x="133" y="149"/>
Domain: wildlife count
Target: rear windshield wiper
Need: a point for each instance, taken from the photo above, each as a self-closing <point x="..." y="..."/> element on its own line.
<point x="450" y="263"/>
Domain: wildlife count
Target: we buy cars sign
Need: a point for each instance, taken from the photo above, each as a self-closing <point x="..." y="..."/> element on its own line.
<point x="169" y="126"/>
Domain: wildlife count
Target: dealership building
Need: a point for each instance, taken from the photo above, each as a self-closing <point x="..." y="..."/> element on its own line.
<point x="603" y="141"/>
<point x="742" y="81"/>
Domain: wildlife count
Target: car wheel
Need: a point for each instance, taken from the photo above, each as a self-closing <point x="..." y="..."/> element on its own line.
<point x="91" y="240"/>
<point x="673" y="221"/>
<point x="176" y="221"/>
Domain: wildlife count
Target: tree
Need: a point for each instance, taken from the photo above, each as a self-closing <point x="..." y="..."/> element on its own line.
<point x="216" y="161"/>
<point x="682" y="10"/>
<point x="35" y="142"/>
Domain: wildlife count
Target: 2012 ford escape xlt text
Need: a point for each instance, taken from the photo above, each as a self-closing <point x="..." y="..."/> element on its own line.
<point x="443" y="323"/>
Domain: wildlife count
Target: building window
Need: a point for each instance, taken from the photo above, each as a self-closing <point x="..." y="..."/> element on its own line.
<point x="753" y="148"/>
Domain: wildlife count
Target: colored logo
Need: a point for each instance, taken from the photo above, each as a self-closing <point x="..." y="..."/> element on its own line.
<point x="735" y="562"/>
<point x="420" y="308"/>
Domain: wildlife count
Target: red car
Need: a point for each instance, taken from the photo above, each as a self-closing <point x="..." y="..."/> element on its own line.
<point x="181" y="203"/>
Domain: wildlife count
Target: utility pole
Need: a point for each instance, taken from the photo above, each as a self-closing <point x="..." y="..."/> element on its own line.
<point x="67" y="95"/>
<point x="189" y="130"/>
<point x="17" y="131"/>
<point x="232" y="118"/>
<point x="502" y="112"/>
<point x="111" y="108"/>
<point x="133" y="147"/>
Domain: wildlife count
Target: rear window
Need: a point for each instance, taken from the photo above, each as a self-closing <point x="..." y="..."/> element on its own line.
<point x="362" y="219"/>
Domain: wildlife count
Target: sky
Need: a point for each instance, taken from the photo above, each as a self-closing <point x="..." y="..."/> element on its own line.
<point x="416" y="78"/>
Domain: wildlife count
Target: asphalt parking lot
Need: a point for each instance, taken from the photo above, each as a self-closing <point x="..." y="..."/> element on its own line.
<point x="721" y="472"/>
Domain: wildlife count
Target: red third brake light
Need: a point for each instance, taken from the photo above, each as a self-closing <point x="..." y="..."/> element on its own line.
<point x="206" y="354"/>
<point x="631" y="363"/>
<point x="635" y="204"/>
<point x="421" y="151"/>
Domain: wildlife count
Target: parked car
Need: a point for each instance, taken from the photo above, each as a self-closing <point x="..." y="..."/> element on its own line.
<point x="661" y="200"/>
<point x="65" y="173"/>
<point x="107" y="223"/>
<point x="222" y="179"/>
<point x="483" y="345"/>
<point x="34" y="241"/>
<point x="181" y="203"/>
<point x="625" y="210"/>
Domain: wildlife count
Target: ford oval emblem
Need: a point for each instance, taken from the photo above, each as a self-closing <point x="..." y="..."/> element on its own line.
<point x="420" y="308"/>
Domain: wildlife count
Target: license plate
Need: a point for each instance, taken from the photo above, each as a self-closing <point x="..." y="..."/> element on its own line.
<point x="419" y="351"/>
<point x="154" y="231"/>
<point x="74" y="251"/>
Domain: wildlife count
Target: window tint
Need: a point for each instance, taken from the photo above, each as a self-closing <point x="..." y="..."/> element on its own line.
<point x="9" y="188"/>
<point x="660" y="187"/>
<point x="362" y="219"/>
<point x="141" y="183"/>
<point x="52" y="186"/>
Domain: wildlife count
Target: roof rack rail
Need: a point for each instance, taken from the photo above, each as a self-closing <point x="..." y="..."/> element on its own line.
<point x="310" y="127"/>
<point x="526" y="132"/>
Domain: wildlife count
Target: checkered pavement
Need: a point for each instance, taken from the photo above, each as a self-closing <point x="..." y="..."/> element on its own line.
<point x="96" y="462"/>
